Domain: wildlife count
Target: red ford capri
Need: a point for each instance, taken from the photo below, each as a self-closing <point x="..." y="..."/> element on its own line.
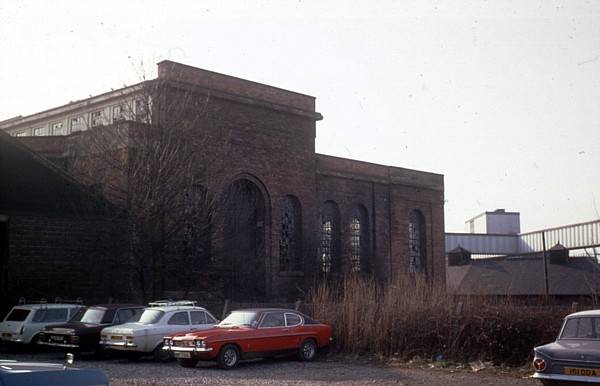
<point x="251" y="333"/>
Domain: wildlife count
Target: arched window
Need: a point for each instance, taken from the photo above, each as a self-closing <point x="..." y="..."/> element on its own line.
<point x="359" y="240"/>
<point x="290" y="237"/>
<point x="329" y="245"/>
<point x="416" y="242"/>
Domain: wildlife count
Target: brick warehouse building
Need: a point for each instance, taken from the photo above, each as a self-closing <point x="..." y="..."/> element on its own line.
<point x="282" y="215"/>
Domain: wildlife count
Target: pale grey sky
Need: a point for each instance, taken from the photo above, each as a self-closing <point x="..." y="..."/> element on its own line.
<point x="502" y="97"/>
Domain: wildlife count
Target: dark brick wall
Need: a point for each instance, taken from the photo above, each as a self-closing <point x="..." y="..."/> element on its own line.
<point x="52" y="256"/>
<point x="388" y="194"/>
<point x="275" y="150"/>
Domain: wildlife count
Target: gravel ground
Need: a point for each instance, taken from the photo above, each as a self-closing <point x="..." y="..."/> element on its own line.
<point x="329" y="371"/>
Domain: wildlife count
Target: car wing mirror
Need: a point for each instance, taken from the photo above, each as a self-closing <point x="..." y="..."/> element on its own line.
<point x="254" y="324"/>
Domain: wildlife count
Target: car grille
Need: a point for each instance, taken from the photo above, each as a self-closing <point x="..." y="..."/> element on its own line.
<point x="183" y="343"/>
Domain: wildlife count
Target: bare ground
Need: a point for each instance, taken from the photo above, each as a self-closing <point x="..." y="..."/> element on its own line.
<point x="329" y="371"/>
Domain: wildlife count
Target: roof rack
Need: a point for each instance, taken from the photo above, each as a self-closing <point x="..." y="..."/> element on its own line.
<point x="163" y="303"/>
<point x="57" y="300"/>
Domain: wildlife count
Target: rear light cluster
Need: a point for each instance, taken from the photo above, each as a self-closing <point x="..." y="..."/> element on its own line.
<point x="539" y="364"/>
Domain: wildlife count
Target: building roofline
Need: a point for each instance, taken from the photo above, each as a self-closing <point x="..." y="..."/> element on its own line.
<point x="492" y="212"/>
<point x="45" y="114"/>
<point x="234" y="77"/>
<point x="377" y="165"/>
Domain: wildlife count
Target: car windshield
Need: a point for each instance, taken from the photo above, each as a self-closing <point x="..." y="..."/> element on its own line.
<point x="17" y="315"/>
<point x="239" y="318"/>
<point x="149" y="316"/>
<point x="581" y="328"/>
<point x="91" y="315"/>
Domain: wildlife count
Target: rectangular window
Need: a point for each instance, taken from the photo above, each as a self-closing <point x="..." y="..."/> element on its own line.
<point x="118" y="113"/>
<point x="77" y="124"/>
<point x="96" y="118"/>
<point x="40" y="131"/>
<point x="20" y="133"/>
<point x="58" y="128"/>
<point x="142" y="110"/>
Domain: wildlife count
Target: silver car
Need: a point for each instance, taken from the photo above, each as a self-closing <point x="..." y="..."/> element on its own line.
<point x="574" y="358"/>
<point x="24" y="322"/>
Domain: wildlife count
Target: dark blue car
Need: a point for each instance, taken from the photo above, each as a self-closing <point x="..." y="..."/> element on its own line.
<point x="13" y="373"/>
<point x="574" y="358"/>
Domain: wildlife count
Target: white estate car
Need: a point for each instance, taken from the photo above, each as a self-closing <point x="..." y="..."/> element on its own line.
<point x="24" y="322"/>
<point x="145" y="335"/>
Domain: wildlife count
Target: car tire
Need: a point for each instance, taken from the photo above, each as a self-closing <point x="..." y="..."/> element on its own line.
<point x="160" y="355"/>
<point x="229" y="357"/>
<point x="308" y="350"/>
<point x="187" y="362"/>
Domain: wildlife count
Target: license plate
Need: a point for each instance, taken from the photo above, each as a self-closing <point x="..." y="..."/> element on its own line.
<point x="57" y="338"/>
<point x="116" y="337"/>
<point x="6" y="335"/>
<point x="582" y="372"/>
<point x="179" y="354"/>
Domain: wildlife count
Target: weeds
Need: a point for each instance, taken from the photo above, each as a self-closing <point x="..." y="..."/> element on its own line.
<point x="412" y="318"/>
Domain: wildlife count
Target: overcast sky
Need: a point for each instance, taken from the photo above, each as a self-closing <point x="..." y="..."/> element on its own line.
<point x="501" y="97"/>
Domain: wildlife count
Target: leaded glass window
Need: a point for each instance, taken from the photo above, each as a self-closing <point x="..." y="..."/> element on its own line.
<point x="355" y="249"/>
<point x="416" y="244"/>
<point x="326" y="246"/>
<point x="329" y="238"/>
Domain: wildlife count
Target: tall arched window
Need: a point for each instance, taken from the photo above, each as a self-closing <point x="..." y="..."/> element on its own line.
<point x="290" y="237"/>
<point x="416" y="242"/>
<point x="330" y="231"/>
<point x="359" y="240"/>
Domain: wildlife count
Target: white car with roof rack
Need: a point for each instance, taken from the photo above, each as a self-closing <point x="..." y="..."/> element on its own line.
<point x="25" y="321"/>
<point x="145" y="334"/>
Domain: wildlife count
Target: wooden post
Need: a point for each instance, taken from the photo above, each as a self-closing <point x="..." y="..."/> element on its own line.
<point x="574" y="306"/>
<point x="225" y="309"/>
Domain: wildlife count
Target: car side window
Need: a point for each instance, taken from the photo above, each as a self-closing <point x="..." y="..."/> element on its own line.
<point x="123" y="315"/>
<point x="72" y="312"/>
<point x="51" y="315"/>
<point x="273" y="319"/>
<point x="292" y="320"/>
<point x="179" y="318"/>
<point x="210" y="319"/>
<point x="198" y="317"/>
<point x="109" y="316"/>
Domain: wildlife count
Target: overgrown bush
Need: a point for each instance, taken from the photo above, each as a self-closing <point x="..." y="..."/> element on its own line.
<point x="412" y="318"/>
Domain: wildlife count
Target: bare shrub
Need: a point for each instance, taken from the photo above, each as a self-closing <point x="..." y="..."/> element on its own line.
<point x="411" y="317"/>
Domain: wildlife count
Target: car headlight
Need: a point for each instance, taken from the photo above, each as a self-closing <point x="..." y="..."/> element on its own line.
<point x="200" y="344"/>
<point x="167" y="342"/>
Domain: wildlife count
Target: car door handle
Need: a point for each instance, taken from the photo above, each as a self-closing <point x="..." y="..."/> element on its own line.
<point x="286" y="330"/>
<point x="193" y="329"/>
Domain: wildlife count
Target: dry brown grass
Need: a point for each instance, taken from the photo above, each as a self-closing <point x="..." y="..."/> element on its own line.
<point x="412" y="318"/>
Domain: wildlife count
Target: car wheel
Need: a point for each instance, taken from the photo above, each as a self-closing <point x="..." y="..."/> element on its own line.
<point x="308" y="350"/>
<point x="229" y="357"/>
<point x="160" y="355"/>
<point x="187" y="362"/>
